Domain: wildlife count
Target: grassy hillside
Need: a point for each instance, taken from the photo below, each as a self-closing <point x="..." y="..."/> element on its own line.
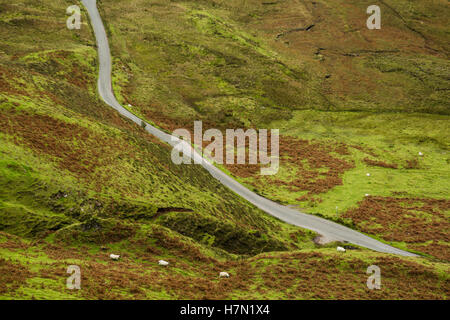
<point x="348" y="101"/>
<point x="67" y="157"/>
<point x="37" y="270"/>
<point x="78" y="182"/>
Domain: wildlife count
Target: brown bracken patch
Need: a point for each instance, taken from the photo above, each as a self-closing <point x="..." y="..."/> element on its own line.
<point x="191" y="275"/>
<point x="319" y="169"/>
<point x="438" y="250"/>
<point x="376" y="163"/>
<point x="5" y="86"/>
<point x="312" y="275"/>
<point x="76" y="148"/>
<point x="12" y="275"/>
<point x="412" y="220"/>
<point x="412" y="164"/>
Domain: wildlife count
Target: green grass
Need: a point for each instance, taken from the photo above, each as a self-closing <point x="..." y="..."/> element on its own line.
<point x="225" y="64"/>
<point x="40" y="188"/>
<point x="84" y="183"/>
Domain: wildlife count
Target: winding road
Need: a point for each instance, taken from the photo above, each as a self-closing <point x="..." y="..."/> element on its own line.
<point x="322" y="226"/>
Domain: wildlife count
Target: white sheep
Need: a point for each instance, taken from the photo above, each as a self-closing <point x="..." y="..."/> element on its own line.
<point x="368" y="174"/>
<point x="420" y="154"/>
<point x="163" y="263"/>
<point x="367" y="194"/>
<point x="224" y="275"/>
<point x="114" y="256"/>
<point x="340" y="249"/>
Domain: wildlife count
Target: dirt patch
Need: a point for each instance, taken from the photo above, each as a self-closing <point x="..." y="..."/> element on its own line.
<point x="321" y="240"/>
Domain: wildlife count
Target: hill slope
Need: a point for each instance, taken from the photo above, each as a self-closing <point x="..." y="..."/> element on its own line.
<point x="78" y="182"/>
<point x="348" y="101"/>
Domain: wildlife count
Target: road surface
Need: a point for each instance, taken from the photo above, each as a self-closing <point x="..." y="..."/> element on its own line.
<point x="322" y="226"/>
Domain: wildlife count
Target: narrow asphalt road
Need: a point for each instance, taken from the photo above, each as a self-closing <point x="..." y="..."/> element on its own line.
<point x="322" y="226"/>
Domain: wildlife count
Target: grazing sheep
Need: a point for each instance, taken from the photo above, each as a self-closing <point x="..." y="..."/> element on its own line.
<point x="368" y="174"/>
<point x="224" y="275"/>
<point x="163" y="263"/>
<point x="420" y="154"/>
<point x="114" y="256"/>
<point x="340" y="249"/>
<point x="367" y="194"/>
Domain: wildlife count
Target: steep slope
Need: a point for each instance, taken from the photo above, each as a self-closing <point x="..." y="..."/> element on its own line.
<point x="66" y="156"/>
<point x="348" y="101"/>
